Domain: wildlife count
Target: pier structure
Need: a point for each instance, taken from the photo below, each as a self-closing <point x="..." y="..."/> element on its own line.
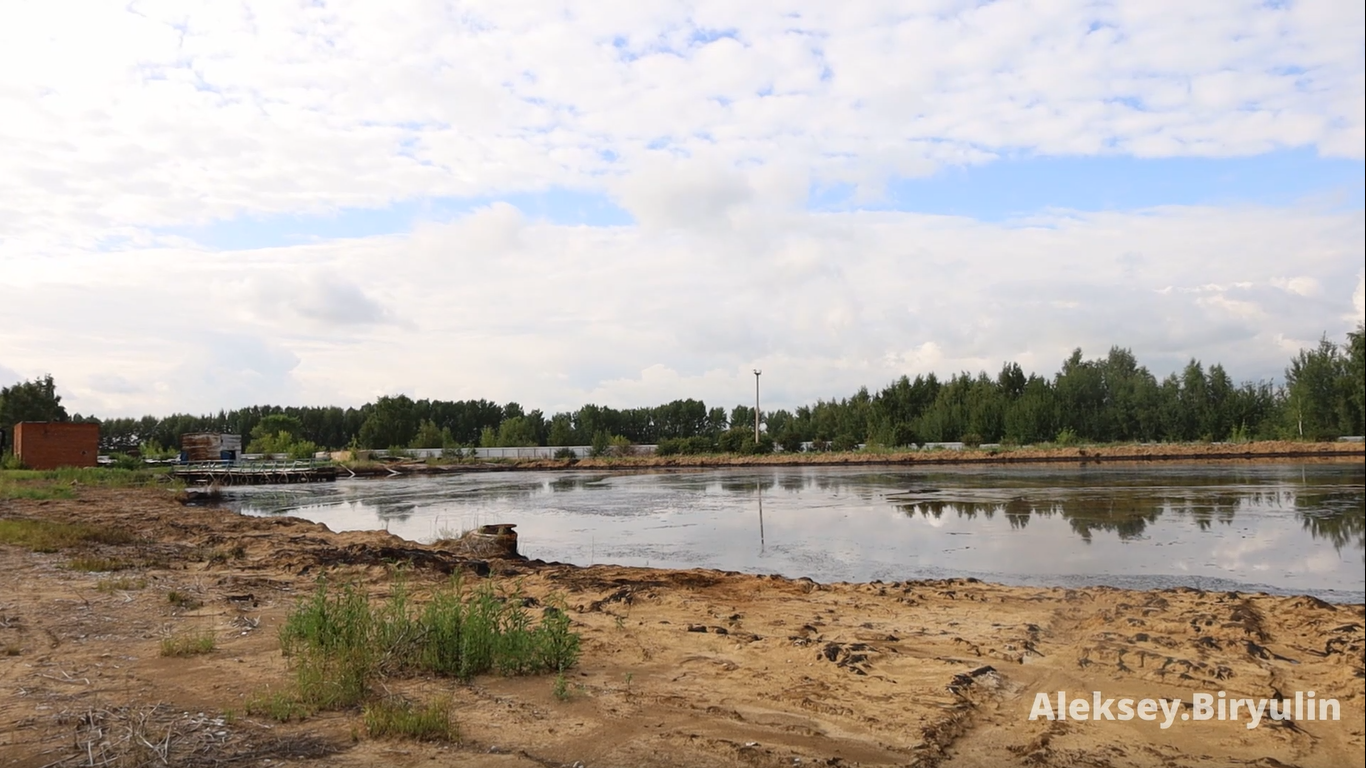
<point x="255" y="472"/>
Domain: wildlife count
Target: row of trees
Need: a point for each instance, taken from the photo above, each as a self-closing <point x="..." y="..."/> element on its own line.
<point x="1106" y="399"/>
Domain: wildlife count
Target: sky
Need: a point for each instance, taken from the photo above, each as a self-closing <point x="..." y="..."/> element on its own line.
<point x="209" y="204"/>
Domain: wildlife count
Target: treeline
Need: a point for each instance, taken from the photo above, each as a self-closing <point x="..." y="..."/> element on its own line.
<point x="1106" y="399"/>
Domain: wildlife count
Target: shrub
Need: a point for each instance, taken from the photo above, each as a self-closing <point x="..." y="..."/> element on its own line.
<point x="669" y="446"/>
<point x="565" y="453"/>
<point x="733" y="440"/>
<point x="124" y="461"/>
<point x="699" y="444"/>
<point x="1067" y="437"/>
<point x="972" y="440"/>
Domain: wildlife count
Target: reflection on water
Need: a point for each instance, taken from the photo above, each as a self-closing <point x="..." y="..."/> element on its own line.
<point x="1285" y="528"/>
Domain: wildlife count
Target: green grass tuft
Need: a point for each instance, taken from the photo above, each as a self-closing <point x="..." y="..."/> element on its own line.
<point x="183" y="600"/>
<point x="188" y="644"/>
<point x="399" y="718"/>
<point x="121" y="584"/>
<point x="278" y="706"/>
<point x="48" y="536"/>
<point x="93" y="564"/>
<point x="339" y="642"/>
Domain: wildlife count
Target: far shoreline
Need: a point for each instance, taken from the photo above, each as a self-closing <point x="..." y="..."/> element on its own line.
<point x="1262" y="451"/>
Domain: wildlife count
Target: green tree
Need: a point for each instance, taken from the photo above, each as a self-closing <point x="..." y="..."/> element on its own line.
<point x="1313" y="393"/>
<point x="517" y="432"/>
<point x="429" y="435"/>
<point x="561" y="429"/>
<point x="1355" y="381"/>
<point x="35" y="400"/>
<point x="275" y="434"/>
<point x="392" y="421"/>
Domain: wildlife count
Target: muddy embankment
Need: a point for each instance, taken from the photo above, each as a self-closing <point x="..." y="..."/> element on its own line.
<point x="1259" y="451"/>
<point x="679" y="668"/>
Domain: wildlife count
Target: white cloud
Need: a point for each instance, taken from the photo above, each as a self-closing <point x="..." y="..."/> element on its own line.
<point x="709" y="122"/>
<point x="495" y="305"/>
<point x="1301" y="285"/>
<point x="119" y="120"/>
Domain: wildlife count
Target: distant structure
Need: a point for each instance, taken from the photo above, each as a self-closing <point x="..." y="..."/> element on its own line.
<point x="53" y="444"/>
<point x="210" y="446"/>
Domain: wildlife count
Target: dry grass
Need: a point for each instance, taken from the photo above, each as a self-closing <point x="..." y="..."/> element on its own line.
<point x="160" y="735"/>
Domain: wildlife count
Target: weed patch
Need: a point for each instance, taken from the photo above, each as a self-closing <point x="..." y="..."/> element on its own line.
<point x="188" y="644"/>
<point x="121" y="584"/>
<point x="338" y="642"/>
<point x="93" y="564"/>
<point x="47" y="536"/>
<point x="183" y="600"/>
<point x="399" y="718"/>
<point x="278" y="706"/>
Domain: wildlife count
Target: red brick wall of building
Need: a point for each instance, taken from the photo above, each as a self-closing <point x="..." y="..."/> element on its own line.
<point x="50" y="444"/>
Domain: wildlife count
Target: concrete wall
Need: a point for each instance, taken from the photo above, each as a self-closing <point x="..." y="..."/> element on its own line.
<point x="49" y="444"/>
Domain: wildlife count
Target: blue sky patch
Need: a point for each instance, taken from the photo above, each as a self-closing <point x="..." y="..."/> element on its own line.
<point x="997" y="191"/>
<point x="557" y="206"/>
<point x="1007" y="189"/>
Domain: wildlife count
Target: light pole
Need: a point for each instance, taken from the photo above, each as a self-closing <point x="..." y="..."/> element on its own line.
<point x="756" y="405"/>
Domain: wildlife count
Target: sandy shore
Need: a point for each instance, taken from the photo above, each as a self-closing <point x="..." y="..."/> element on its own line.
<point x="680" y="668"/>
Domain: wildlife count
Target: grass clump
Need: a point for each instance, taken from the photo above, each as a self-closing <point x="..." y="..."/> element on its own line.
<point x="121" y="584"/>
<point x="278" y="706"/>
<point x="48" y="536"/>
<point x="338" y="641"/>
<point x="94" y="564"/>
<point x="188" y="644"/>
<point x="400" y="718"/>
<point x="183" y="600"/>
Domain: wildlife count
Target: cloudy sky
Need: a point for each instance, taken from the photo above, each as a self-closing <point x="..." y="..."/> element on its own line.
<point x="211" y="204"/>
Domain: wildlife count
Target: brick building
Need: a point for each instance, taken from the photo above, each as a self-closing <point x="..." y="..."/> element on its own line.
<point x="52" y="444"/>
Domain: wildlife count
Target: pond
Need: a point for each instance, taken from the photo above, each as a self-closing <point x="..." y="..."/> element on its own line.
<point x="1281" y="528"/>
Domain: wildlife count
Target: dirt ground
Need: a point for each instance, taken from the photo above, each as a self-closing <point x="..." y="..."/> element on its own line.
<point x="680" y="668"/>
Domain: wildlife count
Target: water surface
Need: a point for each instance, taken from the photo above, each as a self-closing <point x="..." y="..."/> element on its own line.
<point x="1284" y="528"/>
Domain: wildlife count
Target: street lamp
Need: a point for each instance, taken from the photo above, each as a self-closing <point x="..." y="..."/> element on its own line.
<point x="756" y="405"/>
